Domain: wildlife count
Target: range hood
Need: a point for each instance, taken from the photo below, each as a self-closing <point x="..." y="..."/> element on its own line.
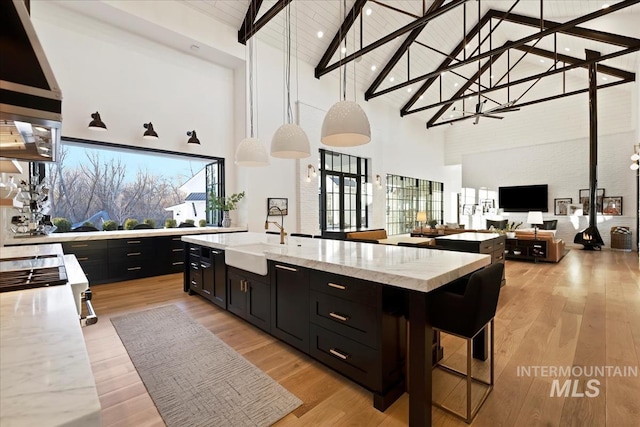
<point x="30" y="99"/>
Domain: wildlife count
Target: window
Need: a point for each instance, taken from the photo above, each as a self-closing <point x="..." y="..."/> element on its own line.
<point x="343" y="191"/>
<point x="406" y="197"/>
<point x="95" y="181"/>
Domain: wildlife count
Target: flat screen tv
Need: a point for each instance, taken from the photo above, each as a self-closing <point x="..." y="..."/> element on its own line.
<point x="523" y="198"/>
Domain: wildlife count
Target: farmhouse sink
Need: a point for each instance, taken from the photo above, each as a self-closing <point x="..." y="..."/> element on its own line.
<point x="250" y="257"/>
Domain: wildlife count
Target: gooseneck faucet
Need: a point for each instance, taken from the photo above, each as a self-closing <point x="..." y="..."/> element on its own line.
<point x="280" y="226"/>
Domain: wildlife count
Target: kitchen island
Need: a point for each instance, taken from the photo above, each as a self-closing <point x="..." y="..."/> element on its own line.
<point x="45" y="375"/>
<point x="332" y="267"/>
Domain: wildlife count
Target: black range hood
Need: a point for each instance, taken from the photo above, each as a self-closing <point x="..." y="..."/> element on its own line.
<point x="30" y="99"/>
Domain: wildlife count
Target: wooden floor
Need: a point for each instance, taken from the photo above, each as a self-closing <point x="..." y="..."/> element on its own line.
<point x="584" y="311"/>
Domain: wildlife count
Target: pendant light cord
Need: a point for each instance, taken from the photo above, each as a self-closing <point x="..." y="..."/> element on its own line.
<point x="288" y="63"/>
<point x="344" y="75"/>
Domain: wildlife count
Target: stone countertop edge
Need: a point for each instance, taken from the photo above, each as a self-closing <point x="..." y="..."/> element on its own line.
<point x="118" y="234"/>
<point x="417" y="269"/>
<point x="44" y="364"/>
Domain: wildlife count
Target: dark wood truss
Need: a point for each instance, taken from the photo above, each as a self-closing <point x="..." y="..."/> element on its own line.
<point x="250" y="26"/>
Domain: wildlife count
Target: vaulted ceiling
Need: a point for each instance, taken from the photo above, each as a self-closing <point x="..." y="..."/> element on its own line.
<point x="435" y="59"/>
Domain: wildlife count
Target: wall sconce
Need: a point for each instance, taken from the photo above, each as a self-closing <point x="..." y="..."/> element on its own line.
<point x="379" y="181"/>
<point x="193" y="137"/>
<point x="635" y="157"/>
<point x="149" y="133"/>
<point x="97" y="123"/>
<point x="311" y="172"/>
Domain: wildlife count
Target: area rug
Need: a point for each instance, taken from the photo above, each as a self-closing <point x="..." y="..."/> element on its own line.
<point x="194" y="378"/>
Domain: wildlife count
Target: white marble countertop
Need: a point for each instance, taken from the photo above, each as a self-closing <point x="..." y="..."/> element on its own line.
<point x="418" y="269"/>
<point x="45" y="375"/>
<point x="118" y="234"/>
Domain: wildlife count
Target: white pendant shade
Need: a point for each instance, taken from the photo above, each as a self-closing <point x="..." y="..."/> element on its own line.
<point x="251" y="152"/>
<point x="345" y="125"/>
<point x="290" y="142"/>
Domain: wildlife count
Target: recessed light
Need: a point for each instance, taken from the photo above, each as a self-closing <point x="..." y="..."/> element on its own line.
<point x="443" y="73"/>
<point x="466" y="46"/>
<point x="542" y="61"/>
<point x="605" y="79"/>
<point x="567" y="49"/>
<point x="409" y="89"/>
<point x="421" y="96"/>
<point x="320" y="34"/>
<point x="391" y="78"/>
<point x="343" y="49"/>
<point x="451" y="116"/>
<point x="492" y="76"/>
<point x="605" y="6"/>
<point x="373" y="68"/>
<point x="368" y="11"/>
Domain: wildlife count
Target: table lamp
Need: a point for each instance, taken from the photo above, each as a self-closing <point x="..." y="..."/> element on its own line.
<point x="421" y="217"/>
<point x="535" y="218"/>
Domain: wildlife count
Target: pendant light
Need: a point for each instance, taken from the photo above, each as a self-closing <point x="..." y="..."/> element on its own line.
<point x="289" y="141"/>
<point x="250" y="151"/>
<point x="346" y="124"/>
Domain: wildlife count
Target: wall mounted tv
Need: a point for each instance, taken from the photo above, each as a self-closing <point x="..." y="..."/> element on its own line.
<point x="523" y="198"/>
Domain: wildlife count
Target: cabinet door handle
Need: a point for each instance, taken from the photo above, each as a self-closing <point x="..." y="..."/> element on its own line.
<point x="176" y="238"/>
<point x="83" y="258"/>
<point x="241" y="285"/>
<point x="338" y="316"/>
<point x="177" y="250"/>
<point x="206" y="292"/>
<point x="284" y="267"/>
<point x="194" y="283"/>
<point x="194" y="265"/>
<point x="132" y="242"/>
<point x="177" y="263"/>
<point x="79" y="245"/>
<point x="134" y="268"/>
<point x="337" y="286"/>
<point x="133" y="254"/>
<point x="338" y="354"/>
<point x="215" y="252"/>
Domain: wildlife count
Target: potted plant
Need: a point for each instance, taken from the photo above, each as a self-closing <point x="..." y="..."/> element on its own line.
<point x="170" y="223"/>
<point x="510" y="229"/>
<point x="63" y="225"/>
<point x="110" y="225"/>
<point x="226" y="204"/>
<point x="202" y="223"/>
<point x="149" y="221"/>
<point x="130" y="223"/>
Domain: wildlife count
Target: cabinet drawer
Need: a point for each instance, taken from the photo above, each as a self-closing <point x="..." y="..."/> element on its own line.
<point x="97" y="271"/>
<point x="132" y="269"/>
<point x="348" y="288"/>
<point x="91" y="256"/>
<point x="126" y="254"/>
<point x="351" y="319"/>
<point x="485" y="247"/>
<point x="88" y="245"/>
<point x="131" y="243"/>
<point x="349" y="358"/>
<point x="498" y="255"/>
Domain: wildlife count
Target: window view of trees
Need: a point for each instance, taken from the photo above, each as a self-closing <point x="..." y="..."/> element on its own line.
<point x="90" y="184"/>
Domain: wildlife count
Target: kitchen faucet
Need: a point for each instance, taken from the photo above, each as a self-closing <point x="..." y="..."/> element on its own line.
<point x="280" y="226"/>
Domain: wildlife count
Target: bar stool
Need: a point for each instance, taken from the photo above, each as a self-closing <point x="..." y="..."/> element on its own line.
<point x="464" y="310"/>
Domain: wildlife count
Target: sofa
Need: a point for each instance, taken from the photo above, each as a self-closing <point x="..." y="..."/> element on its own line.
<point x="555" y="247"/>
<point x="367" y="235"/>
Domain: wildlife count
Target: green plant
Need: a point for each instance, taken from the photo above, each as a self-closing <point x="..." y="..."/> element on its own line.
<point x="110" y="225"/>
<point x="88" y="224"/>
<point x="433" y="223"/>
<point x="202" y="222"/>
<point x="130" y="223"/>
<point x="63" y="225"/>
<point x="512" y="226"/>
<point x="170" y="223"/>
<point x="226" y="203"/>
<point x="189" y="221"/>
<point x="150" y="222"/>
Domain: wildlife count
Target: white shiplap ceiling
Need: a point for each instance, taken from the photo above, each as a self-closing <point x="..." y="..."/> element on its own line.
<point x="442" y="34"/>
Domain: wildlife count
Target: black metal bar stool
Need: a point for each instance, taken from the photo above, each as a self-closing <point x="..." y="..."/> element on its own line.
<point x="464" y="310"/>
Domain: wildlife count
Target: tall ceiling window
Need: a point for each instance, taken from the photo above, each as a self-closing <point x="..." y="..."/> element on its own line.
<point x="344" y="191"/>
<point x="406" y="197"/>
<point x="95" y="182"/>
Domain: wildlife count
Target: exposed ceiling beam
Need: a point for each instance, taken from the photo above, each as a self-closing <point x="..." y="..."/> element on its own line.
<point x="514" y="44"/>
<point x="537" y="101"/>
<point x="462" y="89"/>
<point x="399" y="53"/>
<point x="248" y="31"/>
<point x="340" y="35"/>
<point x="320" y="71"/>
<point x="580" y="64"/>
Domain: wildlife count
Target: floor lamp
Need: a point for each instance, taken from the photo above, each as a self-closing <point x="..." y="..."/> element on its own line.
<point x="535" y="218"/>
<point x="421" y="217"/>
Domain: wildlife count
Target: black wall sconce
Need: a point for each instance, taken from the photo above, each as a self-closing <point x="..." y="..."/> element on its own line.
<point x="193" y="137"/>
<point x="311" y="172"/>
<point x="97" y="123"/>
<point x="149" y="133"/>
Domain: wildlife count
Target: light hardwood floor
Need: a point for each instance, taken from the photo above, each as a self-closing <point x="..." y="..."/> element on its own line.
<point x="584" y="311"/>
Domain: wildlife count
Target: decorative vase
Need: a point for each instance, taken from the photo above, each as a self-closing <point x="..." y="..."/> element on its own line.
<point x="511" y="234"/>
<point x="226" y="219"/>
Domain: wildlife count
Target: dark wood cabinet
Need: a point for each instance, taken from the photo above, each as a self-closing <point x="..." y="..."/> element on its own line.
<point x="289" y="304"/>
<point x="206" y="274"/>
<point x="248" y="296"/>
<point x="93" y="258"/>
<point x="131" y="258"/>
<point x="170" y="254"/>
<point x="525" y="249"/>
